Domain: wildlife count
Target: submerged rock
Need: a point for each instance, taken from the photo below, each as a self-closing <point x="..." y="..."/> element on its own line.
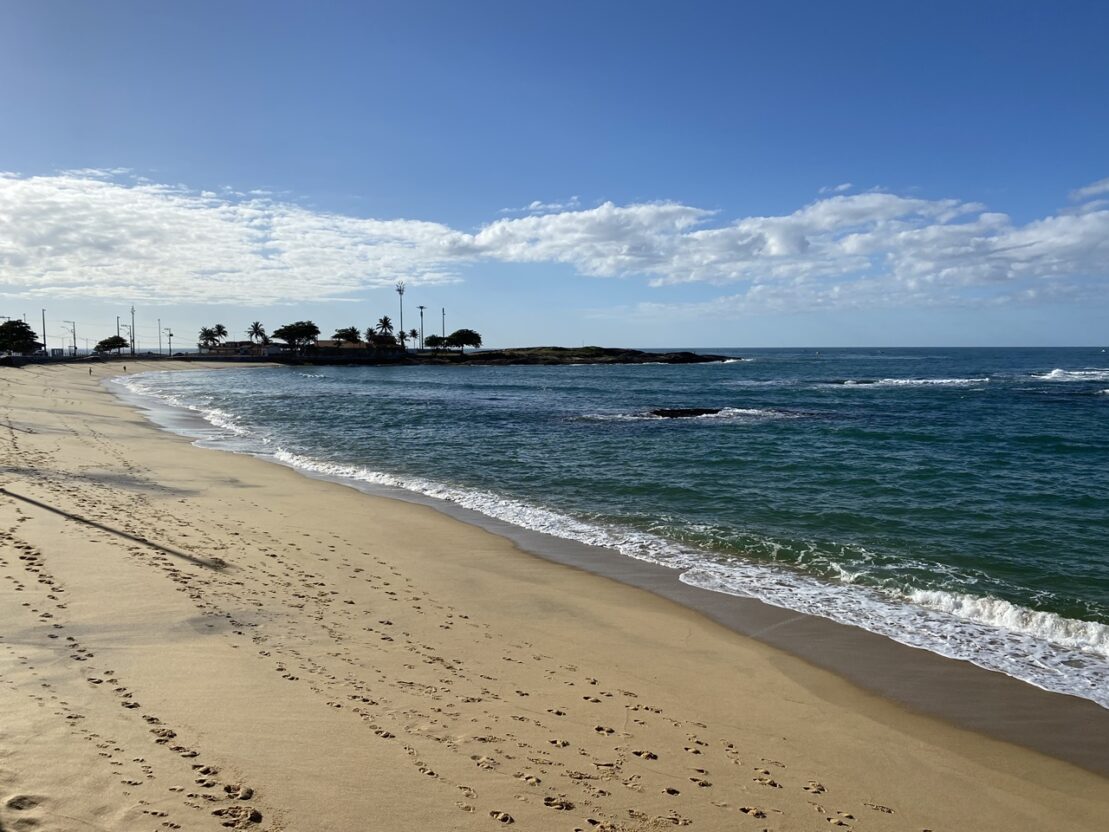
<point x="685" y="412"/>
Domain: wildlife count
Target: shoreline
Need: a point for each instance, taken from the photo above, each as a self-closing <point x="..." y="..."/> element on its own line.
<point x="957" y="691"/>
<point x="489" y="664"/>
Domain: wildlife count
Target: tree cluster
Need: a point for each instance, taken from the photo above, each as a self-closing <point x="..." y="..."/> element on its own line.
<point x="17" y="336"/>
<point x="457" y="340"/>
<point x="301" y="334"/>
<point x="115" y="342"/>
<point x="298" y="334"/>
<point x="211" y="336"/>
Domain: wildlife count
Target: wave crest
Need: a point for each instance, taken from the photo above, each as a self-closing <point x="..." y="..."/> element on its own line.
<point x="1093" y="374"/>
<point x="914" y="382"/>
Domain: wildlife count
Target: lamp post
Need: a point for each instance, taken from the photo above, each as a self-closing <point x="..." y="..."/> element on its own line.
<point x="44" y="350"/>
<point x="444" y="322"/>
<point x="400" y="294"/>
<point x="169" y="333"/>
<point x="421" y="308"/>
<point x="132" y="331"/>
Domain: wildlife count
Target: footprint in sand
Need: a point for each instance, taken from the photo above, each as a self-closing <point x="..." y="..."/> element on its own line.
<point x="646" y="755"/>
<point x="22" y="802"/>
<point x="238" y="817"/>
<point x="752" y="811"/>
<point x="764" y="779"/>
<point x="878" y="807"/>
<point x="503" y="817"/>
<point x="559" y="803"/>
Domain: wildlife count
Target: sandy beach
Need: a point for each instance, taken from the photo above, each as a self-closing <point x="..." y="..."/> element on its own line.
<point x="192" y="639"/>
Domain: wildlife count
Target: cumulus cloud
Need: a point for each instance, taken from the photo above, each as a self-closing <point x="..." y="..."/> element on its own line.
<point x="79" y="235"/>
<point x="93" y="234"/>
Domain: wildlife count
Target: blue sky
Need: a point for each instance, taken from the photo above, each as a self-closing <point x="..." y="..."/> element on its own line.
<point x="651" y="174"/>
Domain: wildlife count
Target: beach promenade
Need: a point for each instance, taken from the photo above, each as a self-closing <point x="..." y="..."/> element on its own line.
<point x="192" y="639"/>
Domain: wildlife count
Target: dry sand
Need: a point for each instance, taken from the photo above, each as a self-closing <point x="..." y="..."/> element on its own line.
<point x="191" y="639"/>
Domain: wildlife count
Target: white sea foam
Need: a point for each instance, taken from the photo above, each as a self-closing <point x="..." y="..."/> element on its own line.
<point x="916" y="382"/>
<point x="1088" y="636"/>
<point x="226" y="422"/>
<point x="1093" y="374"/>
<point x="1043" y="649"/>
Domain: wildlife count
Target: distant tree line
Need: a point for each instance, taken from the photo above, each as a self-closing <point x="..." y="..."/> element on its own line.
<point x="17" y="336"/>
<point x="300" y="335"/>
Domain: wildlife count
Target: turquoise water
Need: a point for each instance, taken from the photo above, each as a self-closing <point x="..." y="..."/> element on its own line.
<point x="955" y="500"/>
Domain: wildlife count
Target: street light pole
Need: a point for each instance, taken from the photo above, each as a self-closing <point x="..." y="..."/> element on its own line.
<point x="44" y="332"/>
<point x="421" y="308"/>
<point x="444" y="322"/>
<point x="169" y="332"/>
<point x="159" y="336"/>
<point x="73" y="330"/>
<point x="132" y="332"/>
<point x="400" y="294"/>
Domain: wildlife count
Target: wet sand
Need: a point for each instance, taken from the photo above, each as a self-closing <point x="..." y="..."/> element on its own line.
<point x="192" y="639"/>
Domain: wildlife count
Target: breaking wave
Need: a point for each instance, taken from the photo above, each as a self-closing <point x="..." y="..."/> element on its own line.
<point x="1073" y="375"/>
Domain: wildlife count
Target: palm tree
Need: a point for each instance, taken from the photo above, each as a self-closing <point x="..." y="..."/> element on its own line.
<point x="414" y="334"/>
<point x="208" y="337"/>
<point x="402" y="336"/>
<point x="385" y="325"/>
<point x="220" y="331"/>
<point x="257" y="332"/>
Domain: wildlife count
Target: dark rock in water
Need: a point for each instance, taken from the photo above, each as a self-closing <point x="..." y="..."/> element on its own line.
<point x="685" y="412"/>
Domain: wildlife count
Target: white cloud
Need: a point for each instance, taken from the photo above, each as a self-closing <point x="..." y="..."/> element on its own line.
<point x="84" y="236"/>
<point x="1093" y="189"/>
<point x="539" y="207"/>
<point x="88" y="234"/>
<point x="836" y="189"/>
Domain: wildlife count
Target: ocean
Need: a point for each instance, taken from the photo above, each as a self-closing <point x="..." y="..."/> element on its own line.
<point x="955" y="500"/>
